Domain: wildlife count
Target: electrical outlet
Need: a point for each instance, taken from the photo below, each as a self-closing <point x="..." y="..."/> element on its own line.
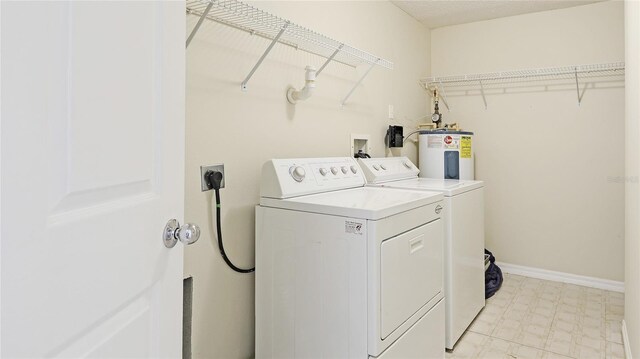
<point x="205" y="169"/>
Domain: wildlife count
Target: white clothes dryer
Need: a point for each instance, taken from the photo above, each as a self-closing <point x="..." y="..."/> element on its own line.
<point x="463" y="217"/>
<point x="343" y="270"/>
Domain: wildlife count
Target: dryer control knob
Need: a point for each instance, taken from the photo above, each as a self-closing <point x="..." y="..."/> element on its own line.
<point x="354" y="169"/>
<point x="344" y="169"/>
<point x="375" y="167"/>
<point x="407" y="164"/>
<point x="323" y="171"/>
<point x="383" y="167"/>
<point x="298" y="173"/>
<point x="334" y="170"/>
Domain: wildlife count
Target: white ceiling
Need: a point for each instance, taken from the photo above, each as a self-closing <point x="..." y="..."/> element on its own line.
<point x="437" y="13"/>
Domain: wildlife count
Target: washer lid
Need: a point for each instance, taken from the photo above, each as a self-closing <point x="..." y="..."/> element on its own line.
<point x="364" y="202"/>
<point x="448" y="187"/>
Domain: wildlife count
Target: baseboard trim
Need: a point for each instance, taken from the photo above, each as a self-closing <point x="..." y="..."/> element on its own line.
<point x="625" y="341"/>
<point x="538" y="273"/>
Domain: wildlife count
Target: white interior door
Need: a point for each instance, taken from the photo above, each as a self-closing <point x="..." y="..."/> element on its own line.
<point x="92" y="148"/>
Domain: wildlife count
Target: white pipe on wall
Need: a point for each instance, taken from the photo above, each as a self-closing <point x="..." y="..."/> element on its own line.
<point x="293" y="95"/>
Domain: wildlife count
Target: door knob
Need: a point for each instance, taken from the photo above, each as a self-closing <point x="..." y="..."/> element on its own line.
<point x="188" y="233"/>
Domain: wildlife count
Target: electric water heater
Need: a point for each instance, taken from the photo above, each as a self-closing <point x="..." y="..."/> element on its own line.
<point x="446" y="154"/>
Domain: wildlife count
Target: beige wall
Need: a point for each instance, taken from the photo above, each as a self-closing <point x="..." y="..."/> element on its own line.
<point x="632" y="242"/>
<point x="553" y="170"/>
<point x="243" y="130"/>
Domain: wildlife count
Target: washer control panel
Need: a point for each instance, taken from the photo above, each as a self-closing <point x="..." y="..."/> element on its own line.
<point x="378" y="170"/>
<point x="285" y="178"/>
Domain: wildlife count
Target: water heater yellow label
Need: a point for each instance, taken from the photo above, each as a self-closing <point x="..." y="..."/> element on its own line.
<point x="465" y="147"/>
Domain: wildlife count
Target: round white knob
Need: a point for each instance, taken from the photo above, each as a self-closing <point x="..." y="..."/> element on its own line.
<point x="298" y="173"/>
<point x="188" y="233"/>
<point x="354" y="169"/>
<point x="383" y="167"/>
<point x="323" y="171"/>
<point x="344" y="169"/>
<point x="334" y="170"/>
<point x="407" y="164"/>
<point x="375" y="167"/>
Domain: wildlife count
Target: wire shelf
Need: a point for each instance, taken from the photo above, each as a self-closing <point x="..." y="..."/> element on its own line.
<point x="258" y="22"/>
<point x="605" y="72"/>
<point x="614" y="69"/>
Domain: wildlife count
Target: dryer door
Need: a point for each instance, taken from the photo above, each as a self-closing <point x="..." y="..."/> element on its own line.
<point x="411" y="273"/>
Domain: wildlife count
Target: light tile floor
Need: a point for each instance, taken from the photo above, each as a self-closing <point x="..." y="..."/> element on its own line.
<point x="533" y="318"/>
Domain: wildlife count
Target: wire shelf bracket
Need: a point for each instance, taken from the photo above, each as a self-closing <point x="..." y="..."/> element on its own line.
<point x="329" y="59"/>
<point x="484" y="99"/>
<point x="198" y="24"/>
<point x="241" y="16"/>
<point x="243" y="86"/>
<point x="566" y="73"/>
<point x="577" y="87"/>
<point x="357" y="84"/>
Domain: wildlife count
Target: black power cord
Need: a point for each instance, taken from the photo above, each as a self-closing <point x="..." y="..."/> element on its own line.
<point x="214" y="180"/>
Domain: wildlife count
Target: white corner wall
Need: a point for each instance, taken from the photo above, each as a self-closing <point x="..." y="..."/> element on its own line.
<point x="554" y="170"/>
<point x="632" y="209"/>
<point x="244" y="129"/>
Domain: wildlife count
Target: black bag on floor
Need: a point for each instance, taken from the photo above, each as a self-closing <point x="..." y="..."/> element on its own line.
<point x="492" y="277"/>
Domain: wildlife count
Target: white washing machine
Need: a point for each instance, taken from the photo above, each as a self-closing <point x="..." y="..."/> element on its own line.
<point x="343" y="270"/>
<point x="463" y="218"/>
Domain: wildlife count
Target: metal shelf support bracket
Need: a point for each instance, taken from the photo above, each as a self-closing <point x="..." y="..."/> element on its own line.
<point x="329" y="59"/>
<point x="359" y="82"/>
<point x="484" y="99"/>
<point x="243" y="86"/>
<point x="444" y="96"/>
<point x="195" y="28"/>
<point x="577" y="86"/>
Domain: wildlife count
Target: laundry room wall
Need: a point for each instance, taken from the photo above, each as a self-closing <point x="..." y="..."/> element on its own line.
<point x="245" y="129"/>
<point x="554" y="171"/>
